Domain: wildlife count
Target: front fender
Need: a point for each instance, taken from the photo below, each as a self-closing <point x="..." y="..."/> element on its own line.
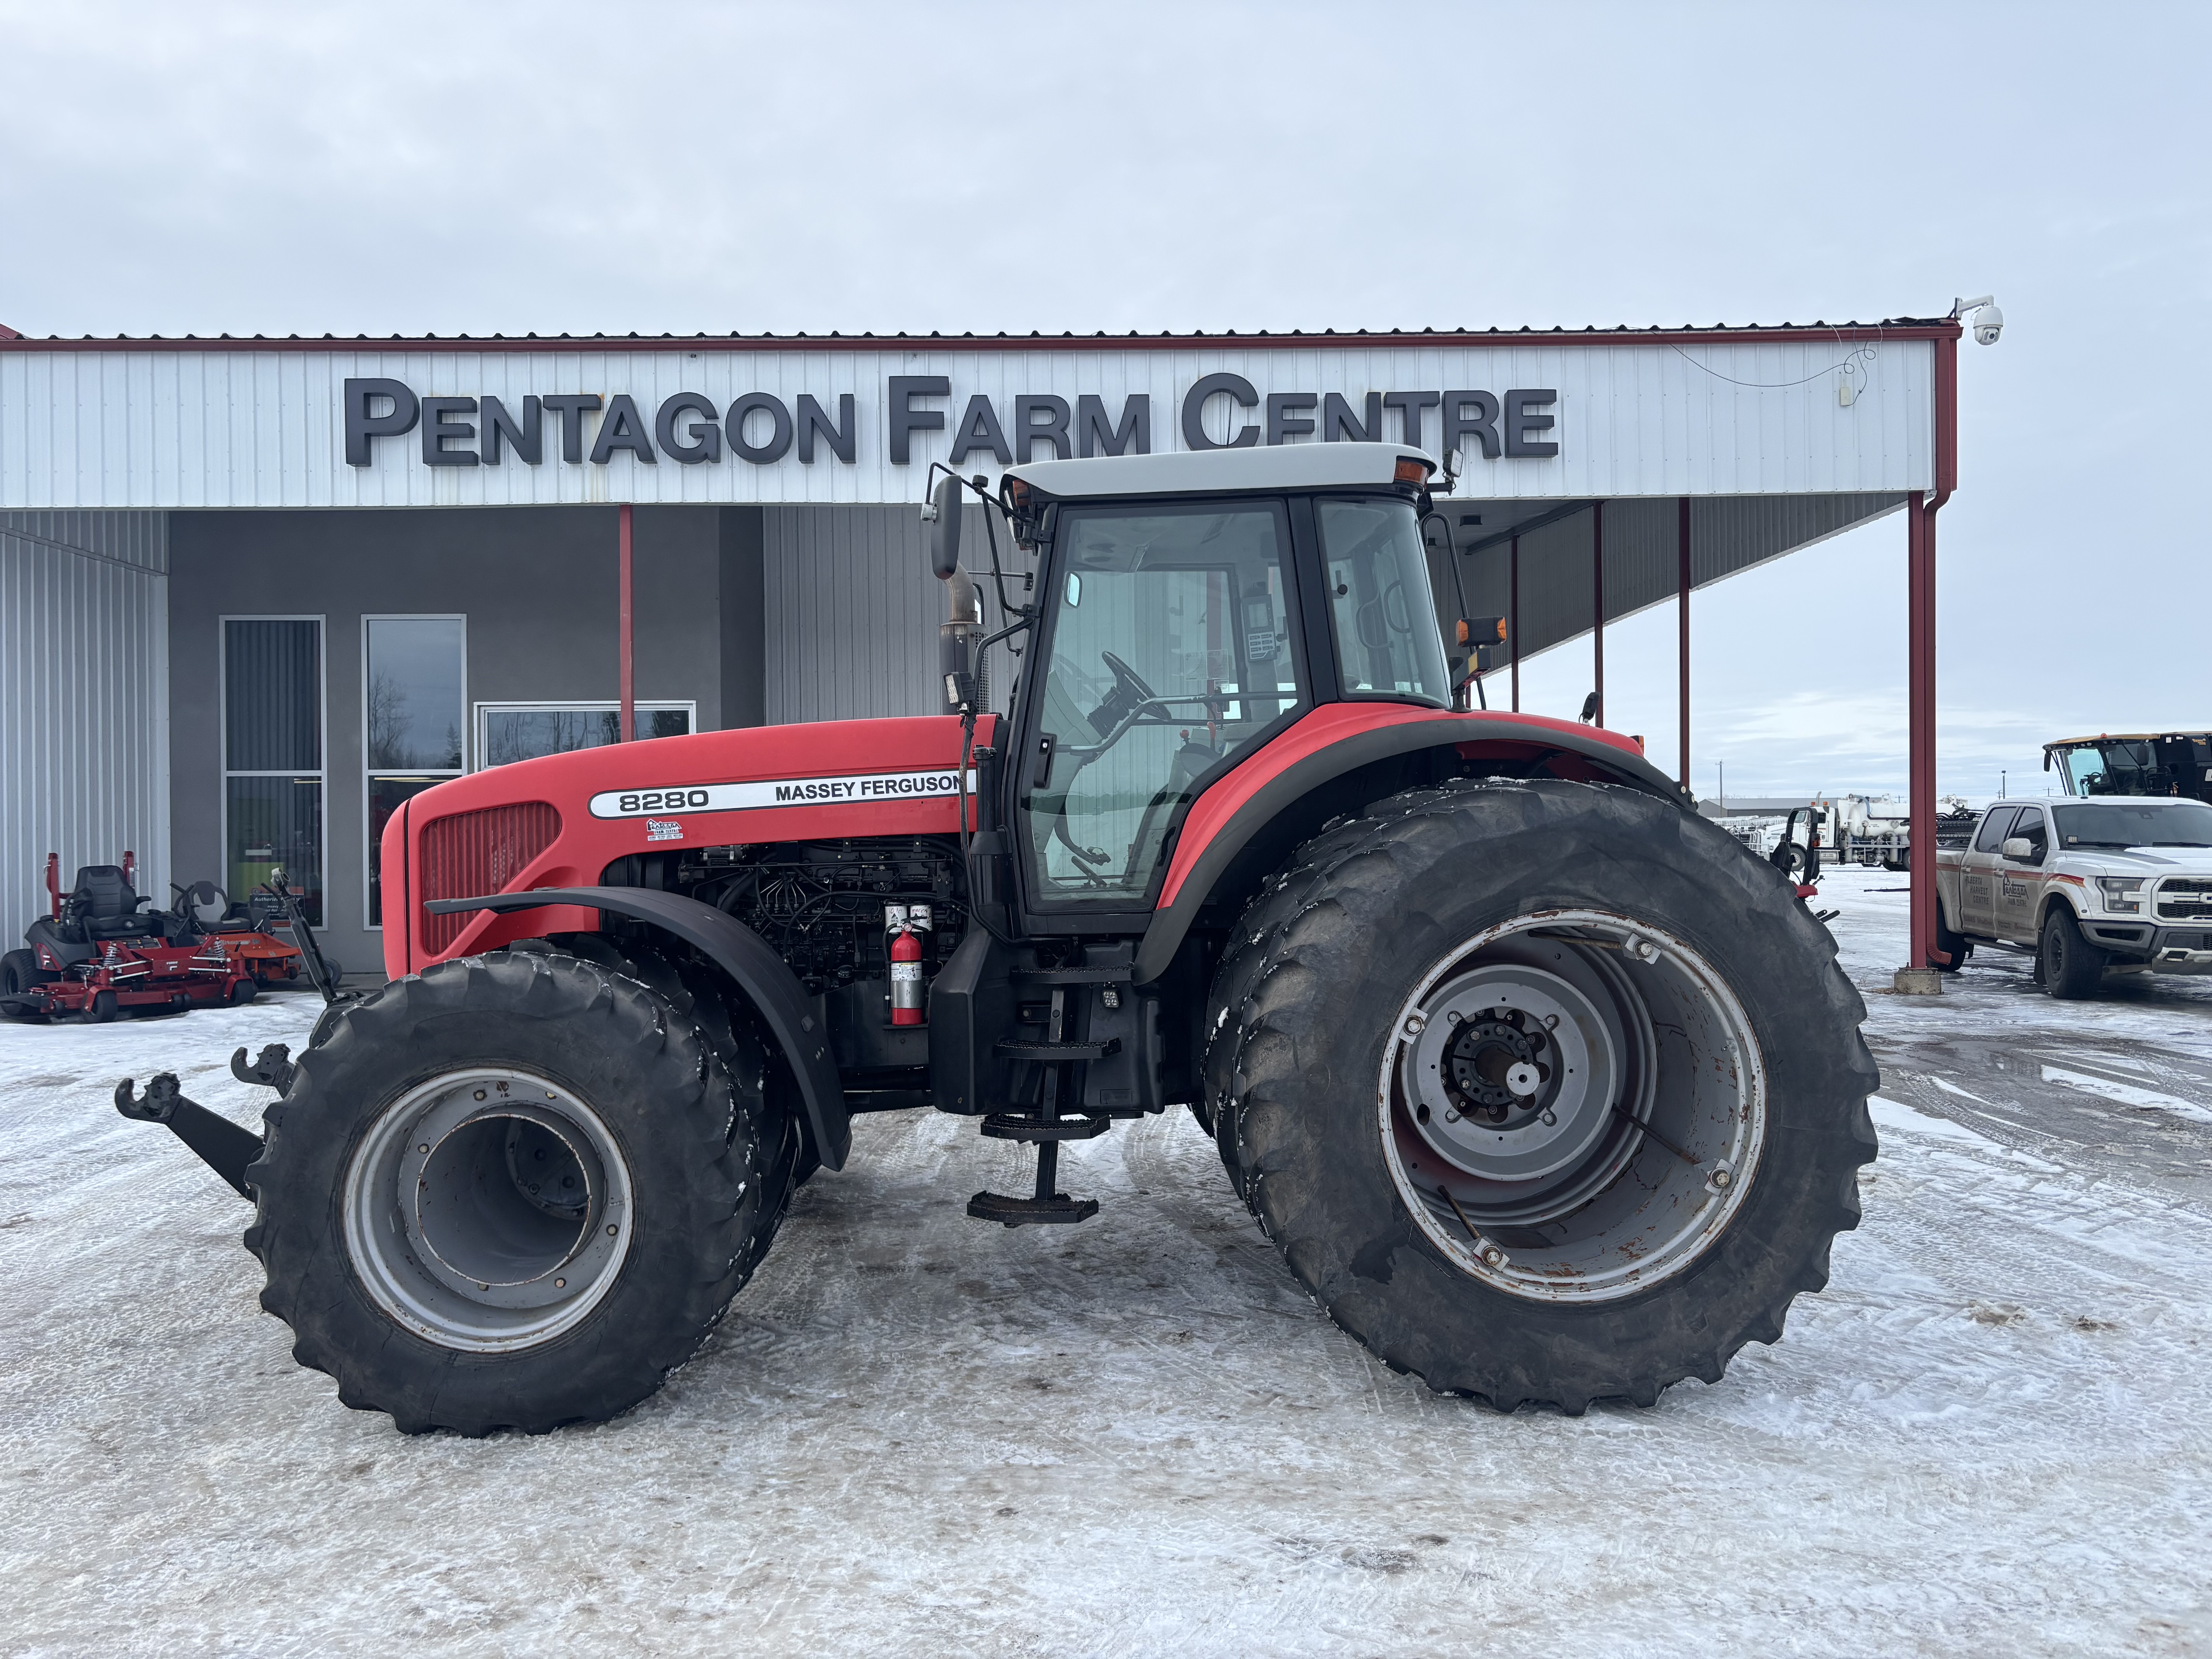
<point x="1341" y="738"/>
<point x="742" y="954"/>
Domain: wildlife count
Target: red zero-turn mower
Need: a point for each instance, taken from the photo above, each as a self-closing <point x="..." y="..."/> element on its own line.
<point x="101" y="952"/>
<point x="1546" y="1087"/>
<point x="242" y="930"/>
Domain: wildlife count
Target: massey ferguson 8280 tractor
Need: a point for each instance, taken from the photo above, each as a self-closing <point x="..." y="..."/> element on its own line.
<point x="1546" y="1089"/>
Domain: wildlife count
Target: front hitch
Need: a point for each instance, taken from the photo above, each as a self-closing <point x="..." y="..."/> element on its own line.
<point x="221" y="1144"/>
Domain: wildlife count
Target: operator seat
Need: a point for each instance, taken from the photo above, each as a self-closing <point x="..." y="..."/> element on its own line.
<point x="103" y="904"/>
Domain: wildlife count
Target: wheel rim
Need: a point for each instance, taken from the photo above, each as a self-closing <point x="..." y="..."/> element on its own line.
<point x="487" y="1209"/>
<point x="1572" y="1106"/>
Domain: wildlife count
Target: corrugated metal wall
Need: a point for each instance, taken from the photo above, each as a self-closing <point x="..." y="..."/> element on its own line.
<point x="84" y="697"/>
<point x="852" y="610"/>
<point x="245" y="427"/>
<point x="1642" y="566"/>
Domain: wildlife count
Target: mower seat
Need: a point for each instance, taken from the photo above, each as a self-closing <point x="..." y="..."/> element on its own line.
<point x="104" y="904"/>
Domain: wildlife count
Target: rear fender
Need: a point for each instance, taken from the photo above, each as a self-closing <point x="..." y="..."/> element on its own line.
<point x="784" y="1006"/>
<point x="1288" y="785"/>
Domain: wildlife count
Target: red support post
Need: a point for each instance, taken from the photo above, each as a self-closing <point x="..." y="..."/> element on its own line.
<point x="1597" y="601"/>
<point x="1513" y="617"/>
<point x="1682" y="643"/>
<point x="1920" y="645"/>
<point x="629" y="715"/>
<point x="1920" y="655"/>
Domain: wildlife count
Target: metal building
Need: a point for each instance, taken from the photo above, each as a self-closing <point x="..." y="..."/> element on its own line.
<point x="255" y="591"/>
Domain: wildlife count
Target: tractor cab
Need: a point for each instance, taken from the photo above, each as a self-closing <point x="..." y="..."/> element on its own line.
<point x="1186" y="611"/>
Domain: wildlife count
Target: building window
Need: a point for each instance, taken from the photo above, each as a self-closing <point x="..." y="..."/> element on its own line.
<point x="413" y="711"/>
<point x="272" y="756"/>
<point x="509" y="732"/>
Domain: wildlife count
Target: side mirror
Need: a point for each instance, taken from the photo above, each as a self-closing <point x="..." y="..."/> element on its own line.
<point x="2018" y="847"/>
<point x="944" y="528"/>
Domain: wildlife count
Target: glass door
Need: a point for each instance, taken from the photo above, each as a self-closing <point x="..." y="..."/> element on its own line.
<point x="1171" y="644"/>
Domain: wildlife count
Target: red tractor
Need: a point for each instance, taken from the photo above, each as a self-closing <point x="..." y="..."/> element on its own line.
<point x="1546" y="1089"/>
<point x="101" y="952"/>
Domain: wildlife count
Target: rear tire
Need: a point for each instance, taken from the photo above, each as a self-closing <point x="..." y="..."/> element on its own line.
<point x="19" y="972"/>
<point x="505" y="1066"/>
<point x="2073" y="969"/>
<point x="1609" y="1273"/>
<point x="1955" y="945"/>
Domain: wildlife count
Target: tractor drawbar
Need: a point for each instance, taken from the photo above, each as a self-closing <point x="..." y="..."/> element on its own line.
<point x="222" y="1145"/>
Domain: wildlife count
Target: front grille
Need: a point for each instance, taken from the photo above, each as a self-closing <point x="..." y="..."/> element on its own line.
<point x="2185" y="898"/>
<point x="472" y="854"/>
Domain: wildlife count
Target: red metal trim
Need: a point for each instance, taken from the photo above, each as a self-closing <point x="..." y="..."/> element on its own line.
<point x="1597" y="601"/>
<point x="1843" y="333"/>
<point x="629" y="716"/>
<point x="1513" y="617"/>
<point x="1682" y="644"/>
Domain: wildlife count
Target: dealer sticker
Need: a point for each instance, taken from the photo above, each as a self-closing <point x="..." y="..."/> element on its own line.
<point x="862" y="789"/>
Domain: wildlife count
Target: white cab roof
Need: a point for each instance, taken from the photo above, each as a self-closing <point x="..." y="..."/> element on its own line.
<point x="1282" y="466"/>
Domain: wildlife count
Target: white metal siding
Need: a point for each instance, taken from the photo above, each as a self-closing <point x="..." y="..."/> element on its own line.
<point x="84" y="697"/>
<point x="241" y="427"/>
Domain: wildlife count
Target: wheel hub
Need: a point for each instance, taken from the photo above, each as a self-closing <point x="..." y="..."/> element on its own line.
<point x="1572" y="1105"/>
<point x="487" y="1209"/>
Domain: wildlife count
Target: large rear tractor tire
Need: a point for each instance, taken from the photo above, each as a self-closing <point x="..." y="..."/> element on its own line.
<point x="1548" y="1091"/>
<point x="514" y="1191"/>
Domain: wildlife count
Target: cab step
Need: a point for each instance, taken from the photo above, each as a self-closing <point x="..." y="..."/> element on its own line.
<point x="1023" y="1126"/>
<point x="1022" y="1048"/>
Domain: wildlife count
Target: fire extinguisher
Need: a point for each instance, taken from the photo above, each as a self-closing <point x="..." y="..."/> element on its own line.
<point x="905" y="924"/>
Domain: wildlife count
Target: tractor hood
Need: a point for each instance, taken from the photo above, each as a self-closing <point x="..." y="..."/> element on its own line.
<point x="563" y="820"/>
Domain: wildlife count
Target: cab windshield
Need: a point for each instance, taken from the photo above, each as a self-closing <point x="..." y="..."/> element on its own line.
<point x="1171" y="651"/>
<point x="1386" y="642"/>
<point x="2112" y="824"/>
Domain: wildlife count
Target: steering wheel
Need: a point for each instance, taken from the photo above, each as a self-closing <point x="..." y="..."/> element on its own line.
<point x="1128" y="677"/>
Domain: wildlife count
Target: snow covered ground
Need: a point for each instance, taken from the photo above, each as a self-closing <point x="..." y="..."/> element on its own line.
<point x="918" y="1433"/>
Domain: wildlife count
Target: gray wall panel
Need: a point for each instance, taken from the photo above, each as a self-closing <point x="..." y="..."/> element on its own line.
<point x="83" y="702"/>
<point x="539" y="585"/>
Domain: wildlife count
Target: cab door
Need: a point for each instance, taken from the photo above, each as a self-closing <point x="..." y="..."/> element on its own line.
<point x="2018" y="878"/>
<point x="1978" y="874"/>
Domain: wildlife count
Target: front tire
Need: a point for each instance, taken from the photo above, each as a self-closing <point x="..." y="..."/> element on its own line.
<point x="2073" y="969"/>
<point x="1546" y="1091"/>
<point x="511" y="1192"/>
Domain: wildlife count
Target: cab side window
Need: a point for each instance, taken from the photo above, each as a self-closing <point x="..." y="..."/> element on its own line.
<point x="1997" y="824"/>
<point x="2031" y="826"/>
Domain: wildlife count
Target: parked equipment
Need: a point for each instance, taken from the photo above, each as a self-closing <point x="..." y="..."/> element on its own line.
<point x="1548" y="1091"/>
<point x="101" y="952"/>
<point x="242" y="930"/>
<point x="2168" y="763"/>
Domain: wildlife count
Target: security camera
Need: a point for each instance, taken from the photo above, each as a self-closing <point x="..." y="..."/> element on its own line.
<point x="1988" y="321"/>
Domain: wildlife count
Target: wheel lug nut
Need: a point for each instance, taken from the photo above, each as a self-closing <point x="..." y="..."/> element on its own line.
<point x="1551" y="1118"/>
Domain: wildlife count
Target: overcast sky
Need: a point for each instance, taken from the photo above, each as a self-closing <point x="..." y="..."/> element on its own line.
<point x="490" y="169"/>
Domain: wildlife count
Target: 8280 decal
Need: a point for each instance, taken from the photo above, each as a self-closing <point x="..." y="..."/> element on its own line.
<point x="861" y="789"/>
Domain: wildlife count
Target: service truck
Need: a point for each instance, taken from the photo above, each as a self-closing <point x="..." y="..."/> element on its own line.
<point x="2089" y="886"/>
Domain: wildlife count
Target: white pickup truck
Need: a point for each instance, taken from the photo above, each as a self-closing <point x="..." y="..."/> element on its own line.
<point x="2119" y="881"/>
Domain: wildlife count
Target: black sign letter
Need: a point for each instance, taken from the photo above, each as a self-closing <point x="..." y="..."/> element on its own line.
<point x="1100" y="439"/>
<point x="980" y="429"/>
<point x="1194" y="411"/>
<point x="623" y="429"/>
<point x="570" y="407"/>
<point x="361" y="426"/>
<point x="1029" y="432"/>
<point x="813" y="419"/>
<point x="779" y="427"/>
<point x="528" y="439"/>
<point x="906" y="418"/>
<point x="437" y="430"/>
<point x="1519" y="422"/>
<point x="705" y="437"/>
<point x="1471" y="414"/>
<point x="1337" y="425"/>
<point x="1409" y="405"/>
<point x="1282" y="423"/>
